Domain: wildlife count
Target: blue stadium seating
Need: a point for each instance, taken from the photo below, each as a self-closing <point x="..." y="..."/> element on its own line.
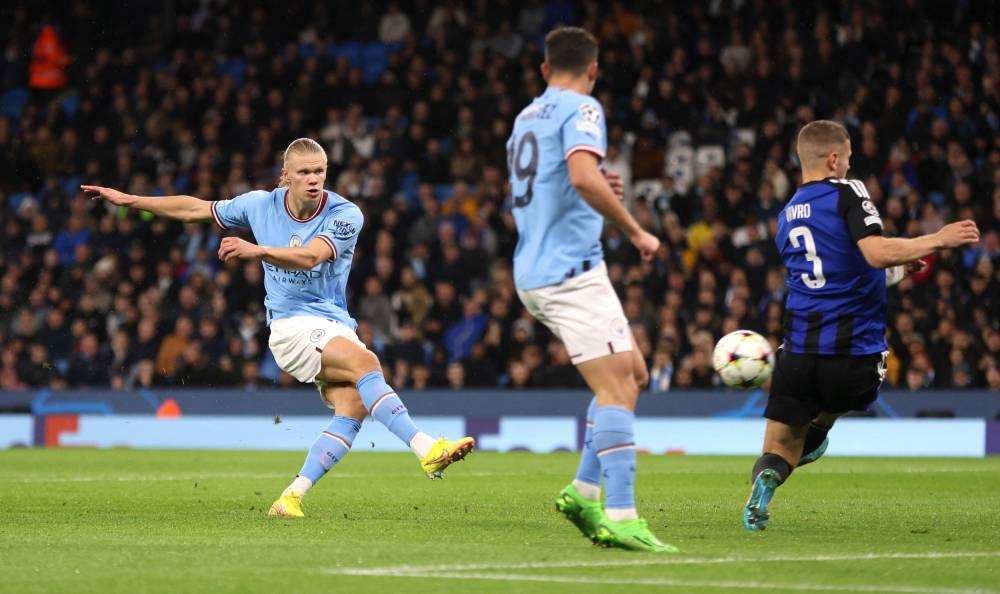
<point x="12" y="102"/>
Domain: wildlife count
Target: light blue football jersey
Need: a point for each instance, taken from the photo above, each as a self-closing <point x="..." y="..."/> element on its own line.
<point x="559" y="234"/>
<point x="317" y="292"/>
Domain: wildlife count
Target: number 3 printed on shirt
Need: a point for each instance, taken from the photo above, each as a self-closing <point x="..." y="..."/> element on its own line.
<point x="807" y="238"/>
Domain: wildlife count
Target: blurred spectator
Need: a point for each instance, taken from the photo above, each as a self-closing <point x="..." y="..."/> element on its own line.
<point x="394" y="25"/>
<point x="173" y="345"/>
<point x="660" y="372"/>
<point x="703" y="107"/>
<point x="89" y="367"/>
<point x="460" y="337"/>
<point x="456" y="376"/>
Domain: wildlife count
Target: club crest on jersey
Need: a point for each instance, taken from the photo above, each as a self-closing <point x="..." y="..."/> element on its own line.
<point x="317" y="335"/>
<point x="618" y="327"/>
<point x="295" y="241"/>
<point x="590" y="113"/>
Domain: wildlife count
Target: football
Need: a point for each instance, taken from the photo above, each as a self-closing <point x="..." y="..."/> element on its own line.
<point x="743" y="359"/>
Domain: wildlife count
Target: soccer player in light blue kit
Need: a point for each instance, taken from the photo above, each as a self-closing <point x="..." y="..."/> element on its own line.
<point x="306" y="241"/>
<point x="560" y="199"/>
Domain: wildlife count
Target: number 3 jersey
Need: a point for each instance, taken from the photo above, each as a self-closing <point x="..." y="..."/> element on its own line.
<point x="559" y="234"/>
<point x="836" y="301"/>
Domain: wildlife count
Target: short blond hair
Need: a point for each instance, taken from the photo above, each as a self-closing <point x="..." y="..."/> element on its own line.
<point x="299" y="146"/>
<point x="818" y="139"/>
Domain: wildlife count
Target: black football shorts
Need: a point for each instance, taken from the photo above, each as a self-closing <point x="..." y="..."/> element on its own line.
<point x="805" y="385"/>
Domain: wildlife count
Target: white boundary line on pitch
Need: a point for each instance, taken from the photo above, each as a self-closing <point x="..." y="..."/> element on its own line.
<point x="716" y="584"/>
<point x="474" y="571"/>
<point x="206" y="476"/>
<point x="463" y="473"/>
<point x="142" y="477"/>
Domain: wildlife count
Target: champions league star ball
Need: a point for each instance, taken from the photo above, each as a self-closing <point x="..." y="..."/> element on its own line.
<point x="743" y="359"/>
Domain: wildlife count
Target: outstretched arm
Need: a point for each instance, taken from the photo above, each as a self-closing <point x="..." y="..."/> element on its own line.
<point x="883" y="252"/>
<point x="290" y="258"/>
<point x="183" y="208"/>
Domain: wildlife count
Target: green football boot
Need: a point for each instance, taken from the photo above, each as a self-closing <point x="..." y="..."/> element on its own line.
<point x="585" y="513"/>
<point x="631" y="535"/>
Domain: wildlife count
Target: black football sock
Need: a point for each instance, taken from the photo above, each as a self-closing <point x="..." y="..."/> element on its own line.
<point x="774" y="462"/>
<point x="814" y="437"/>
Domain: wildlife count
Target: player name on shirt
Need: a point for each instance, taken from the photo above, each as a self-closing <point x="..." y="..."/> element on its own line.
<point x="797" y="211"/>
<point x="537" y="112"/>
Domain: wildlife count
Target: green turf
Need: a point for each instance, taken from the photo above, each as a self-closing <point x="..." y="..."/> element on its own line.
<point x="86" y="521"/>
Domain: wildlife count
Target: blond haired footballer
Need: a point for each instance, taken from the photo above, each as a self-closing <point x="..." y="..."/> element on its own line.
<point x="306" y="243"/>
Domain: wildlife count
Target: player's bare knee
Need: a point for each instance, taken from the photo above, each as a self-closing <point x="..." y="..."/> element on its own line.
<point x="363" y="362"/>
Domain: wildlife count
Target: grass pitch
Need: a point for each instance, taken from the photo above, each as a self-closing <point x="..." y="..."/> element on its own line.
<point x="86" y="521"/>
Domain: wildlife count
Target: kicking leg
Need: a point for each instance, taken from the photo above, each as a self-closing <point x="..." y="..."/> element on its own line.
<point x="816" y="440"/>
<point x="329" y="448"/>
<point x="346" y="360"/>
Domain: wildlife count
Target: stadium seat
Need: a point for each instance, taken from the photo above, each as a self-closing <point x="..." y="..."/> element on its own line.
<point x="234" y="68"/>
<point x="679" y="139"/>
<point x="69" y="103"/>
<point x="374" y="61"/>
<point x="12" y="102"/>
<point x="351" y="50"/>
<point x="443" y="191"/>
<point x="708" y="157"/>
<point x="409" y="185"/>
<point x="646" y="188"/>
<point x="307" y="50"/>
<point x="743" y="136"/>
<point x="15" y="199"/>
<point x="680" y="166"/>
<point x="71" y="184"/>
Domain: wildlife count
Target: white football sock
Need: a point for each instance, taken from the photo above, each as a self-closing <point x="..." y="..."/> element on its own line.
<point x="421" y="444"/>
<point x="620" y="514"/>
<point x="592" y="492"/>
<point x="300" y="486"/>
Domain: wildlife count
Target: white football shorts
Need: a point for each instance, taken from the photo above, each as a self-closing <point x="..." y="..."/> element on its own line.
<point x="584" y="312"/>
<point x="297" y="344"/>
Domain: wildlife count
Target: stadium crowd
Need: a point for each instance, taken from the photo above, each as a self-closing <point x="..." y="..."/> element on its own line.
<point x="414" y="103"/>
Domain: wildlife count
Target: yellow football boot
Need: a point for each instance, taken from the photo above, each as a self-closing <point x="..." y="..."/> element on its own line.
<point x="287" y="506"/>
<point x="443" y="453"/>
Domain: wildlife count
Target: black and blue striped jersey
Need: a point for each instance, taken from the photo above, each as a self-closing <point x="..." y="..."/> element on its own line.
<point x="836" y="300"/>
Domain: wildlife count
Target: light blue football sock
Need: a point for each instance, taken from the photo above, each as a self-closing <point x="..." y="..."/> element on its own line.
<point x="614" y="442"/>
<point x="385" y="406"/>
<point x="330" y="447"/>
<point x="589" y="470"/>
